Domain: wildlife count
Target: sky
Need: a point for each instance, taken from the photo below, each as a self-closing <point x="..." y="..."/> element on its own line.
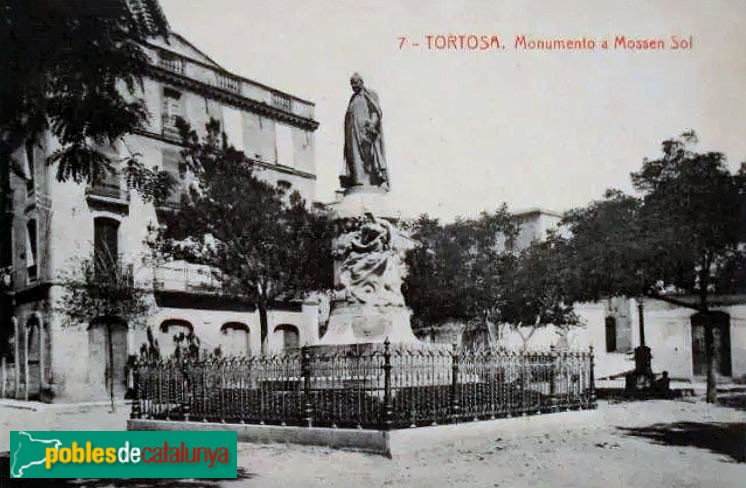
<point x="466" y="130"/>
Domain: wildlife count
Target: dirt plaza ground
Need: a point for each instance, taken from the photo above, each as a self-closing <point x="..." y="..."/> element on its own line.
<point x="673" y="443"/>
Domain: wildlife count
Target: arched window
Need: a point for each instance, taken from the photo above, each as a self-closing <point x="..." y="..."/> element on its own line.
<point x="171" y="330"/>
<point x="610" y="334"/>
<point x="236" y="339"/>
<point x="289" y="334"/>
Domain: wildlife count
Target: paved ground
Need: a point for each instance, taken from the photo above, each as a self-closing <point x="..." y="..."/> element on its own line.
<point x="682" y="443"/>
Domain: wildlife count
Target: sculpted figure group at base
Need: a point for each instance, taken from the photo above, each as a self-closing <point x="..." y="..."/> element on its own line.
<point x="369" y="253"/>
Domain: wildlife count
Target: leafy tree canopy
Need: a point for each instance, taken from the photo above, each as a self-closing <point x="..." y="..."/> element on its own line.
<point x="684" y="234"/>
<point x="470" y="271"/>
<point x="262" y="237"/>
<point x="72" y="67"/>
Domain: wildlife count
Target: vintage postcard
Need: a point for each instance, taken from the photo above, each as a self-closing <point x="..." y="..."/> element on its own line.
<point x="374" y="242"/>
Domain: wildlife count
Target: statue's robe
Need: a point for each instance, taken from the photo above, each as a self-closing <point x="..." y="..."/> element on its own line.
<point x="364" y="150"/>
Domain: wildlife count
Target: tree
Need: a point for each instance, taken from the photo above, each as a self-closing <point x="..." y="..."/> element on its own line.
<point x="102" y="289"/>
<point x="434" y="285"/>
<point x="454" y="271"/>
<point x="609" y="252"/>
<point x="469" y="271"/>
<point x="684" y="235"/>
<point x="72" y="68"/>
<point x="267" y="245"/>
<point x="694" y="208"/>
<point x="536" y="290"/>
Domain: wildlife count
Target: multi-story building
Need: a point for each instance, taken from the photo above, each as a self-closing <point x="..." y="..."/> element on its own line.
<point x="55" y="224"/>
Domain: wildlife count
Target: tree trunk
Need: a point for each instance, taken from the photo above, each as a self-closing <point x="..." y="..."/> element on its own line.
<point x="641" y="320"/>
<point x="264" y="329"/>
<point x="6" y="246"/>
<point x="110" y="362"/>
<point x="711" y="396"/>
<point x="6" y="216"/>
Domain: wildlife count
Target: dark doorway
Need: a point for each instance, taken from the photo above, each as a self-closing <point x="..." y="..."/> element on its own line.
<point x="610" y="334"/>
<point x="720" y="323"/>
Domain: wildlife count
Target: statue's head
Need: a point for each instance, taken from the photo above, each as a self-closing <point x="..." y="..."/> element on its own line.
<point x="356" y="81"/>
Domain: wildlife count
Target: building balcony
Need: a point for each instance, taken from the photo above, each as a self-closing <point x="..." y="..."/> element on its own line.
<point x="108" y="189"/>
<point x="181" y="276"/>
<point x="21" y="278"/>
<point x="173" y="63"/>
<point x="109" y="195"/>
<point x="114" y="275"/>
<point x="225" y="81"/>
<point x="169" y="128"/>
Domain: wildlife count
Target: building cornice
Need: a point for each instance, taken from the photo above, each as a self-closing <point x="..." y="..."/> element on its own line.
<point x="536" y="210"/>
<point x="261" y="164"/>
<point x="213" y="65"/>
<point x="227" y="97"/>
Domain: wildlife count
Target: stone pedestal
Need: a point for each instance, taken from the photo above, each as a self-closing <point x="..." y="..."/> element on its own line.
<point x="369" y="251"/>
<point x="358" y="324"/>
<point x="358" y="201"/>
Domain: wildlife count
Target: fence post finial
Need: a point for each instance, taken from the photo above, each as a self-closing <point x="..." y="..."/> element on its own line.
<point x="136" y="412"/>
<point x="305" y="359"/>
<point x="592" y="379"/>
<point x="553" y="378"/>
<point x="388" y="409"/>
<point x="454" y="383"/>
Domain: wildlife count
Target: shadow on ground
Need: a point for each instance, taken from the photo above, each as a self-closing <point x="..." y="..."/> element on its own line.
<point x="733" y="401"/>
<point x="113" y="483"/>
<point x="728" y="439"/>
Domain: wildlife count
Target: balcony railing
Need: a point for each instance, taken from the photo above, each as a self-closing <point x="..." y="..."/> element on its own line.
<point x="282" y="101"/>
<point x="172" y="63"/>
<point x="225" y="81"/>
<point x="109" y="189"/>
<point x="111" y="274"/>
<point x="168" y="126"/>
<point x="183" y="276"/>
<point x="23" y="277"/>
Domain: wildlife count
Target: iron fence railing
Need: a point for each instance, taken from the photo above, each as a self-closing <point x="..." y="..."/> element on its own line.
<point x="364" y="386"/>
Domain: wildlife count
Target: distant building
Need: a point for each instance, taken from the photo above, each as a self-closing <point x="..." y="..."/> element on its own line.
<point x="675" y="334"/>
<point x="56" y="222"/>
<point x="533" y="225"/>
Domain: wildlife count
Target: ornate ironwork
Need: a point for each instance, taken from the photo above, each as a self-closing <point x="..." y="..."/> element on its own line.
<point x="364" y="386"/>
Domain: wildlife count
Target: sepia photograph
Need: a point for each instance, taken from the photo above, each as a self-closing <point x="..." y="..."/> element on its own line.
<point x="470" y="243"/>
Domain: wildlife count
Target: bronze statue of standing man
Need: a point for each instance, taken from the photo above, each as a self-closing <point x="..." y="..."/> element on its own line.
<point x="364" y="151"/>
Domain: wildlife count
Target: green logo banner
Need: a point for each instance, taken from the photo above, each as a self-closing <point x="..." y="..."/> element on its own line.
<point x="122" y="454"/>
